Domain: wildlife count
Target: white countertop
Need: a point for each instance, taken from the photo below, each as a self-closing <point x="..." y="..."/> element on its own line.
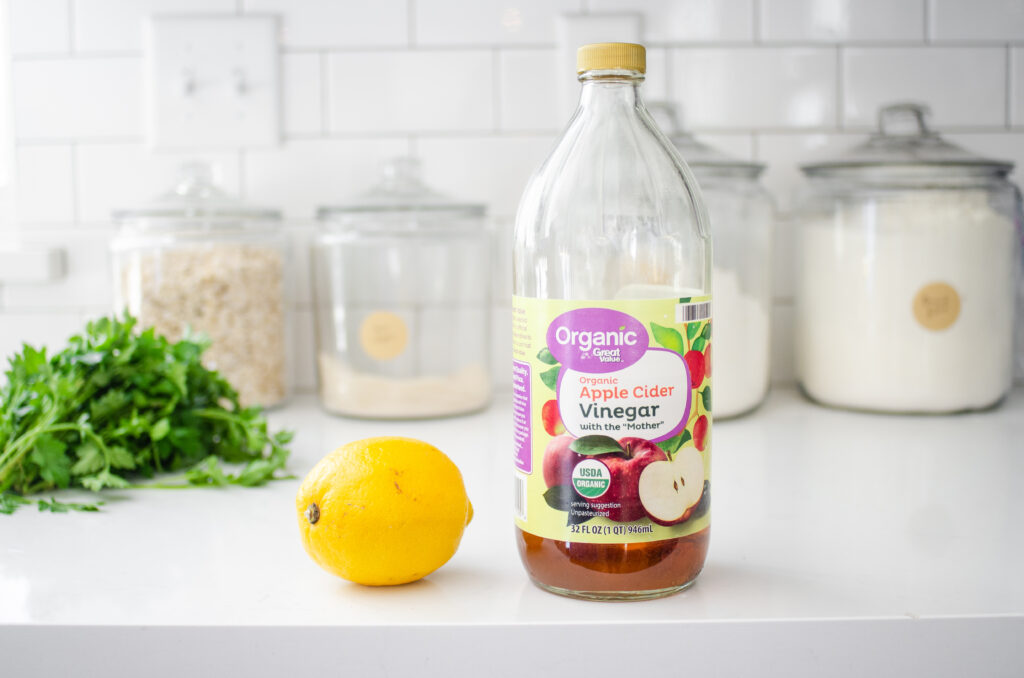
<point x="841" y="543"/>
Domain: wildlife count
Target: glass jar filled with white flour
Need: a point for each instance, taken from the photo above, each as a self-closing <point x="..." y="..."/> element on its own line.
<point x="401" y="286"/>
<point x="199" y="260"/>
<point x="908" y="255"/>
<point x="742" y="216"/>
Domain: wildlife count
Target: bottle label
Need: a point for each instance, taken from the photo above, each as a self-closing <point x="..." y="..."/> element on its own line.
<point x="612" y="418"/>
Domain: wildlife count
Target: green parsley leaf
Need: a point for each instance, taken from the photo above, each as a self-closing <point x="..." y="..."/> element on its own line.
<point x="121" y="403"/>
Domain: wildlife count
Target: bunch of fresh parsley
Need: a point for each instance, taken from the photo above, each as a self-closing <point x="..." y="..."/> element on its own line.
<point x="119" y="406"/>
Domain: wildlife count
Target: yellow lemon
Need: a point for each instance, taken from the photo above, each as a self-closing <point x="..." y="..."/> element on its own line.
<point x="383" y="511"/>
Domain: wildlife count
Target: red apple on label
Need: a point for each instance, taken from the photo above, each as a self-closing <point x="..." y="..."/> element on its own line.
<point x="625" y="470"/>
<point x="707" y="361"/>
<point x="671" y="490"/>
<point x="552" y="419"/>
<point x="559" y="461"/>
<point x="700" y="432"/>
<point x="695" y="362"/>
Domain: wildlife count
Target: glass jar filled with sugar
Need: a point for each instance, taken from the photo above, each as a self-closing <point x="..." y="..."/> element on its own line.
<point x="908" y="255"/>
<point x="401" y="287"/>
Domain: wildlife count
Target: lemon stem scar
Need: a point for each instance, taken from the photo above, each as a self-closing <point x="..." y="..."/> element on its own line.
<point x="312" y="513"/>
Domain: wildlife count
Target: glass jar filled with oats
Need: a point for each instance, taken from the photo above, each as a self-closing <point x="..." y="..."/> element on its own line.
<point x="198" y="260"/>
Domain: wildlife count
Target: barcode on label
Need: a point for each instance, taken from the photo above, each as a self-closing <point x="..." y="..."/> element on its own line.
<point x="689" y="313"/>
<point x="519" y="499"/>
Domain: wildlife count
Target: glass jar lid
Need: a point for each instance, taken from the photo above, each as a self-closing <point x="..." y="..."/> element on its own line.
<point x="700" y="157"/>
<point x="197" y="198"/>
<point x="903" y="142"/>
<point x="402" y="192"/>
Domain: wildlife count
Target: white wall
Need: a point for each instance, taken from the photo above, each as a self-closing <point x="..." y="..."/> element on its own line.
<point x="779" y="81"/>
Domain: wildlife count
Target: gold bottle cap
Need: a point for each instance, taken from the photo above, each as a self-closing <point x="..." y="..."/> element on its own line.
<point x="611" y="56"/>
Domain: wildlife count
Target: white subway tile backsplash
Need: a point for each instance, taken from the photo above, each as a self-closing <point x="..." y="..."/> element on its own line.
<point x="985" y="20"/>
<point x="841" y="20"/>
<point x="575" y="30"/>
<point x="36" y="328"/>
<point x="963" y="85"/>
<point x="337" y="23"/>
<point x="303" y="174"/>
<point x="117" y="25"/>
<point x="87" y="278"/>
<point x="688" y="20"/>
<point x="755" y="87"/>
<point x="39" y="27"/>
<point x="45" y="184"/>
<point x="498" y="22"/>
<point x="480" y="91"/>
<point x="418" y="91"/>
<point x="656" y="84"/>
<point x="493" y="170"/>
<point x="784" y="153"/>
<point x="120" y="176"/>
<point x="302" y="92"/>
<point x="529" y="90"/>
<point x="77" y="98"/>
<point x="739" y="146"/>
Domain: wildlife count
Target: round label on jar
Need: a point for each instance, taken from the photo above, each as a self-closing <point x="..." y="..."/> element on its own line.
<point x="383" y="335"/>
<point x="936" y="306"/>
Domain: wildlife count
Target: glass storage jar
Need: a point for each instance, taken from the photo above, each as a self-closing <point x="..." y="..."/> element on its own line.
<point x="197" y="259"/>
<point x="908" y="252"/>
<point x="742" y="215"/>
<point x="402" y="302"/>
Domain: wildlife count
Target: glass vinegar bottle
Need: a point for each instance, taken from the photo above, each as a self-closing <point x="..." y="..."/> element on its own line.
<point x="612" y="334"/>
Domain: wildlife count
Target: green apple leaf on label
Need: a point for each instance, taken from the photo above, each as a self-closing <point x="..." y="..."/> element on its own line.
<point x="692" y="330"/>
<point x="544" y="355"/>
<point x="596" y="444"/>
<point x="669" y="338"/>
<point x="675" y="442"/>
<point x="559" y="497"/>
<point x="550" y="377"/>
<point x="706" y="332"/>
<point x="699" y="343"/>
<point x="705" y="398"/>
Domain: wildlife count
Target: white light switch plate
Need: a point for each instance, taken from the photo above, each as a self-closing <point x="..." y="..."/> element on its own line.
<point x="212" y="82"/>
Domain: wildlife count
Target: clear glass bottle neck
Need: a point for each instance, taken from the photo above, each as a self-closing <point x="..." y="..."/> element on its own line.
<point x="610" y="89"/>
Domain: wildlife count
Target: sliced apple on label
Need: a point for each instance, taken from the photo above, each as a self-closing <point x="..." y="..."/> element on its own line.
<point x="669" y="490"/>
